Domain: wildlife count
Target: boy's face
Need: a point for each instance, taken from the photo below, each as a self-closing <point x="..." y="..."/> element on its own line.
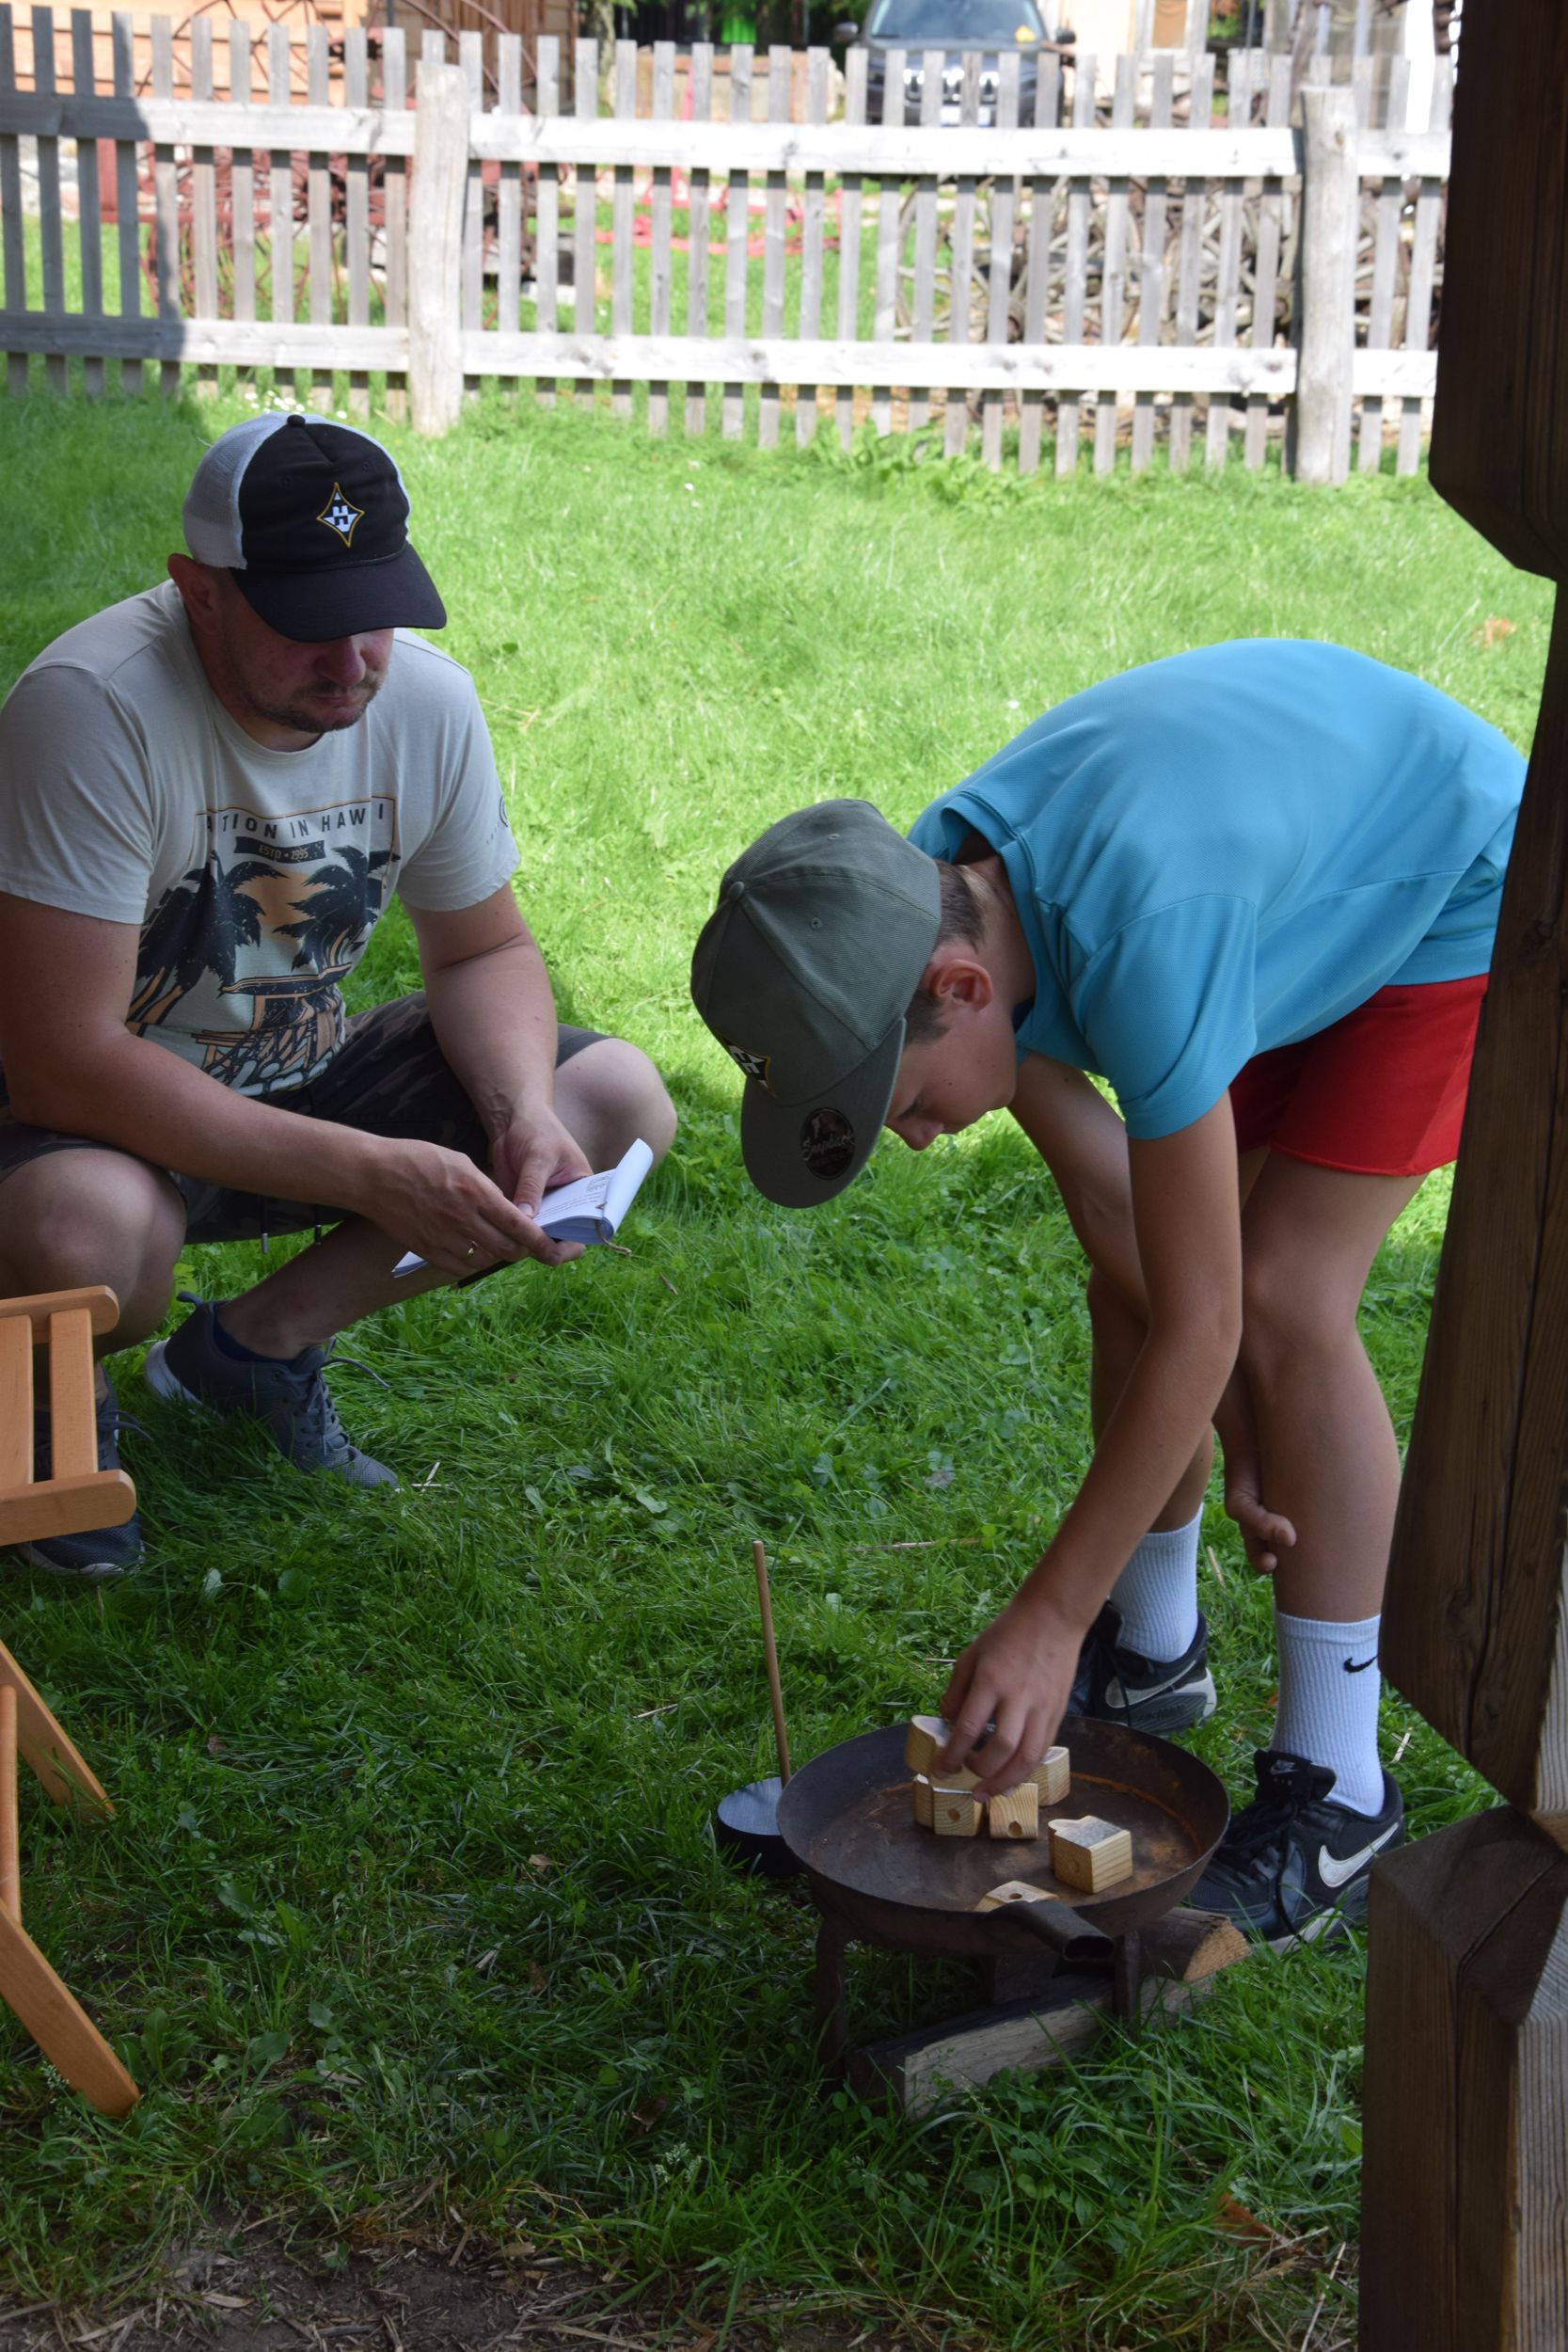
<point x="949" y="1082"/>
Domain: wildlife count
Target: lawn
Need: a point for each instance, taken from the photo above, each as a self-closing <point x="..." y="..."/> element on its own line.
<point x="409" y="1919"/>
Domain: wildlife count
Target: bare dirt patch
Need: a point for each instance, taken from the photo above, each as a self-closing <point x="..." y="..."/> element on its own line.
<point x="254" y="2294"/>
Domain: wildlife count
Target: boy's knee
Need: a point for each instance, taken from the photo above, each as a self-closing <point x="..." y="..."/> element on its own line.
<point x="1288" y="1319"/>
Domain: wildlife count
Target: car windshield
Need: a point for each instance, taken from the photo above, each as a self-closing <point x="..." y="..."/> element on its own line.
<point x="954" y="24"/>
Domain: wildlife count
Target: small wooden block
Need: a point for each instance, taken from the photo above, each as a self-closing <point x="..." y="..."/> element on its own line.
<point x="954" y="1812"/>
<point x="927" y="1737"/>
<point x="1015" y="1891"/>
<point x="1016" y="1815"/>
<point x="1091" y="1854"/>
<point x="922" y="1793"/>
<point x="1053" y="1775"/>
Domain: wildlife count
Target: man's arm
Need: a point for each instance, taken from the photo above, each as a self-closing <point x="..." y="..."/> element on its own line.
<point x="70" y="1064"/>
<point x="1186" y="1227"/>
<point x="494" y="1015"/>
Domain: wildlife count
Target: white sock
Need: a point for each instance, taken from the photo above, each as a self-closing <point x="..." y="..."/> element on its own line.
<point x="1329" y="1688"/>
<point x="1157" y="1593"/>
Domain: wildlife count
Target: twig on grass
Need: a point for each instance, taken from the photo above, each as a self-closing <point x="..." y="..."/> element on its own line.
<point x="1323" y="2296"/>
<point x="1214" y="1562"/>
<point x="931" y="1543"/>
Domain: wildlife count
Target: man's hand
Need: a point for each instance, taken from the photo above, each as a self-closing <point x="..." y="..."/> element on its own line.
<point x="1020" y="1672"/>
<point x="530" y="1159"/>
<point x="439" y="1204"/>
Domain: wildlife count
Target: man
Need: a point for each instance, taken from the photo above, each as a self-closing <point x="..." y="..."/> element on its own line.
<point x="208" y="794"/>
<point x="1255" y="888"/>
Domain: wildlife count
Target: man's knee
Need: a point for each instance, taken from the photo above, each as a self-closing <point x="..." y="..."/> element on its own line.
<point x="611" y="1093"/>
<point x="79" y="1218"/>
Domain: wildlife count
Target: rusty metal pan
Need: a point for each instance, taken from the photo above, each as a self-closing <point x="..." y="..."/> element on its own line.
<point x="847" y="1816"/>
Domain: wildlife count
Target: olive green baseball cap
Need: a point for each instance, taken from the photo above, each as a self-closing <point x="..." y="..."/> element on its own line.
<point x="802" y="972"/>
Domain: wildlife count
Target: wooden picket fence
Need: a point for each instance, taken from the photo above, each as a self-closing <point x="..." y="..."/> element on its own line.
<point x="1204" y="255"/>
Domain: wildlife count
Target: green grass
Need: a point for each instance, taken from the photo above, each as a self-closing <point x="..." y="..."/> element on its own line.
<point x="408" y="1909"/>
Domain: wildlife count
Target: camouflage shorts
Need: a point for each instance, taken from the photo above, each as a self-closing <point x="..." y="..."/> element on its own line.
<point x="388" y="1077"/>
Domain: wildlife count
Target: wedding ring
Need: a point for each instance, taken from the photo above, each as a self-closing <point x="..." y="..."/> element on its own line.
<point x="472" y="1249"/>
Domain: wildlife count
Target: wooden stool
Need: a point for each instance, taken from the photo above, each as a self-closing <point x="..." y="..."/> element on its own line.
<point x="77" y="1495"/>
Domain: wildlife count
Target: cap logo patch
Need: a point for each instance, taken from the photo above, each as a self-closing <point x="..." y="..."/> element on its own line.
<point x="827" y="1143"/>
<point x="341" y="515"/>
<point x="752" y="1065"/>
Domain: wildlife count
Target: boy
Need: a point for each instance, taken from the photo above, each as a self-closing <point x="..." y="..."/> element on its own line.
<point x="1255" y="888"/>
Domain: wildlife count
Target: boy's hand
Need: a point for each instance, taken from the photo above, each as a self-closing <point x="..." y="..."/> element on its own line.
<point x="1018" y="1672"/>
<point x="1265" y="1533"/>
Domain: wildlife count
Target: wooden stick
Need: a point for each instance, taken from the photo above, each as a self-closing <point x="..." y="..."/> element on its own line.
<point x="10" y="1866"/>
<point x="760" y="1557"/>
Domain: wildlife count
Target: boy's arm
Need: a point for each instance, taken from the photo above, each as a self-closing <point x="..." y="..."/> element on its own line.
<point x="1084" y="1143"/>
<point x="1186" y="1232"/>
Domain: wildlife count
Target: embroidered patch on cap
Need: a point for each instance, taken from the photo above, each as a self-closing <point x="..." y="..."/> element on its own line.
<point x="827" y="1143"/>
<point x="754" y="1065"/>
<point x="341" y="515"/>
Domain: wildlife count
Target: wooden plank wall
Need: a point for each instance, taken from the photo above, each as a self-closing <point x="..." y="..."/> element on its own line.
<point x="709" y="237"/>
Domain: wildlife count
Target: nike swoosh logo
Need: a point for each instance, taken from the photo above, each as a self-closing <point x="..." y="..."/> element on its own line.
<point x="1335" y="1870"/>
<point x="1117" y="1696"/>
<point x="1359" y="1665"/>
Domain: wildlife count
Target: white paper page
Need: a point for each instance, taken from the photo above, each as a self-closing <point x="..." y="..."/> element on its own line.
<point x="603" y="1196"/>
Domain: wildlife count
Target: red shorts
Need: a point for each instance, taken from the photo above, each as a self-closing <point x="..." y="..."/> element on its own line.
<point x="1380" y="1094"/>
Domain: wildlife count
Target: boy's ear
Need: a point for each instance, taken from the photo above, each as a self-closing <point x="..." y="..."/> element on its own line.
<point x="956" y="977"/>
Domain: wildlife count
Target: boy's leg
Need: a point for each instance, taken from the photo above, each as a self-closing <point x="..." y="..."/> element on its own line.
<point x="1328" y="1461"/>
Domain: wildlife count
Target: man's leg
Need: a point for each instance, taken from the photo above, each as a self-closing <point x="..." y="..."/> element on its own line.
<point x="74" y="1217"/>
<point x="606" y="1095"/>
<point x="69" y="1219"/>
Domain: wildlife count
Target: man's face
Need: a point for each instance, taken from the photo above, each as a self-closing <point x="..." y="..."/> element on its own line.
<point x="949" y="1082"/>
<point x="283" y="690"/>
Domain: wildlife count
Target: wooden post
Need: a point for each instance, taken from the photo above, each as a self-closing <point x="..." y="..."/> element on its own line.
<point x="1331" y="199"/>
<point x="1465" y="2169"/>
<point x="434" y="280"/>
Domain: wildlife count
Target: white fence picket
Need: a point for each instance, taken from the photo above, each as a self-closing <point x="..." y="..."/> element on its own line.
<point x="1010" y="256"/>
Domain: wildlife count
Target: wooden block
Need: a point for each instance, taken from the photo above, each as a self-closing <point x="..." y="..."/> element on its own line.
<point x="1016" y="1815"/>
<point x="954" y="1812"/>
<point x="1053" y="1775"/>
<point x="1015" y="1891"/>
<point x="922" y="1794"/>
<point x="926" y="1740"/>
<point x="1091" y="1854"/>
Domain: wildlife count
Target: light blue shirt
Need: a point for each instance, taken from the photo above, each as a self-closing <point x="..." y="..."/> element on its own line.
<point x="1229" y="850"/>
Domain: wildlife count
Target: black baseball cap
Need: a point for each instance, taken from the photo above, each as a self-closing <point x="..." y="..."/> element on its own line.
<point x="312" y="520"/>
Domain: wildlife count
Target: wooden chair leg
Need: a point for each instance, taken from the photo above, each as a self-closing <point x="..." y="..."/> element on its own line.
<point x="58" y="2022"/>
<point x="59" y="1765"/>
<point x="10" y="1866"/>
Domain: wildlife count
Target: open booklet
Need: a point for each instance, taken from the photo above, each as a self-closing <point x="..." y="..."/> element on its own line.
<point x="588" y="1210"/>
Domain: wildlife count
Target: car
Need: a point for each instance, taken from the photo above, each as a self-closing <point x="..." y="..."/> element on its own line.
<point x="991" y="28"/>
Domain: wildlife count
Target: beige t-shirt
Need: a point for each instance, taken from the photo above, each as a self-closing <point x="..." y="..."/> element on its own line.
<point x="254" y="877"/>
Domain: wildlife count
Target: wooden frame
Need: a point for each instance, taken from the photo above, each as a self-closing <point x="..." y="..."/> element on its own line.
<point x="79" y="1496"/>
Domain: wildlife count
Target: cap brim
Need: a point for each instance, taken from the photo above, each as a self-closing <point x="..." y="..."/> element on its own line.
<point x="800" y="1155"/>
<point x="345" y="599"/>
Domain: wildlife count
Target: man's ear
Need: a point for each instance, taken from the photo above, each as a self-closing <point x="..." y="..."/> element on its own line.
<point x="956" y="977"/>
<point x="198" y="590"/>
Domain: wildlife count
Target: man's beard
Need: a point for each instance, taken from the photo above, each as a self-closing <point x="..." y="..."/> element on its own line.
<point x="299" y="714"/>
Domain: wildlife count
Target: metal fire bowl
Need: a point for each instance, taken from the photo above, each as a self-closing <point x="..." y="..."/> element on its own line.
<point x="847" y="1816"/>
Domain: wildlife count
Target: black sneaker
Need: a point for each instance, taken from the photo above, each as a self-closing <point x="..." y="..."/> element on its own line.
<point x="289" y="1398"/>
<point x="1116" y="1686"/>
<point x="103" y="1552"/>
<point x="1293" y="1868"/>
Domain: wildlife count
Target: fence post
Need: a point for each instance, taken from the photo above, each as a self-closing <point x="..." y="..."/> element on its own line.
<point x="435" y="237"/>
<point x="1331" y="203"/>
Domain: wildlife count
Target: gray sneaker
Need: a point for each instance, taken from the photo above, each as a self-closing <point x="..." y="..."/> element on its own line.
<point x="103" y="1553"/>
<point x="289" y="1398"/>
